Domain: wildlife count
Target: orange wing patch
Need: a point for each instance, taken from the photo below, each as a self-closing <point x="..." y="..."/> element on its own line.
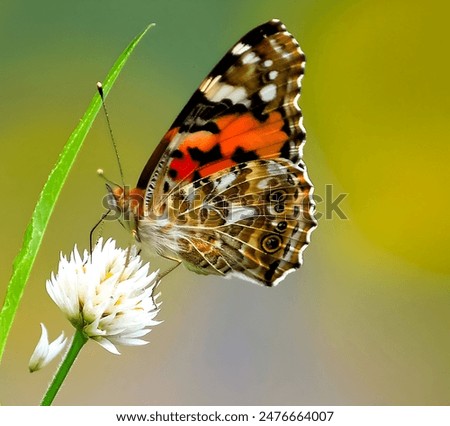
<point x="240" y="138"/>
<point x="246" y="132"/>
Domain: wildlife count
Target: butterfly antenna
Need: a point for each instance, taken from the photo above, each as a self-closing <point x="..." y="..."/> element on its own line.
<point x="101" y="174"/>
<point x="100" y="91"/>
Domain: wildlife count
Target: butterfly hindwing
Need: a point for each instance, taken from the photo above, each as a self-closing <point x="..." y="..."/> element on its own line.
<point x="253" y="219"/>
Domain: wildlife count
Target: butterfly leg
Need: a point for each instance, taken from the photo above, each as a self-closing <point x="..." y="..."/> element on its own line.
<point x="162" y="275"/>
<point x="91" y="234"/>
<point x="169" y="270"/>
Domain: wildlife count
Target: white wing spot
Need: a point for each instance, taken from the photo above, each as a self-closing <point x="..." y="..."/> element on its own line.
<point x="268" y="93"/>
<point x="273" y="75"/>
<point x="209" y="83"/>
<point x="220" y="91"/>
<point x="268" y="63"/>
<point x="240" y="48"/>
<point x="225" y="182"/>
<point x="238" y="213"/>
<point x="250" y="58"/>
<point x="276" y="168"/>
<point x="263" y="183"/>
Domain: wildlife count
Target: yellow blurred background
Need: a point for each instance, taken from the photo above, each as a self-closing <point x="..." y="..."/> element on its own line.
<point x="367" y="318"/>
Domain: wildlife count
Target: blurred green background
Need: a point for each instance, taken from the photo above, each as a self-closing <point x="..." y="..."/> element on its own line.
<point x="365" y="321"/>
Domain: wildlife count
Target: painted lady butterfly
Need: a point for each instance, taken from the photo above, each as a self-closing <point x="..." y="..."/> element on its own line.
<point x="225" y="192"/>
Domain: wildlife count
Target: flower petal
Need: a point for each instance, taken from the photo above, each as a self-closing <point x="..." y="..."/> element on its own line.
<point x="44" y="352"/>
<point x="106" y="344"/>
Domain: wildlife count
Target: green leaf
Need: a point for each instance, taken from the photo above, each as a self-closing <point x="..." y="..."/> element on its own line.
<point x="50" y="192"/>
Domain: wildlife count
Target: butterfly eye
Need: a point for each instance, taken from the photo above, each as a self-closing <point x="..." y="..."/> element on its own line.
<point x="111" y="199"/>
<point x="277" y="196"/>
<point x="279" y="208"/>
<point x="281" y="226"/>
<point x="271" y="243"/>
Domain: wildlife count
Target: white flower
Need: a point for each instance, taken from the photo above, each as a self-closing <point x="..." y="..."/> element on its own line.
<point x="45" y="352"/>
<point x="107" y="295"/>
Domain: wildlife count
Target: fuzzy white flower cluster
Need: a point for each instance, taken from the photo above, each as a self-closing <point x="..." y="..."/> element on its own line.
<point x="108" y="295"/>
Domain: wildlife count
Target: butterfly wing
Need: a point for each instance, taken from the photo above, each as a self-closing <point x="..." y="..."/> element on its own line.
<point x="253" y="220"/>
<point x="246" y="108"/>
<point x="244" y="117"/>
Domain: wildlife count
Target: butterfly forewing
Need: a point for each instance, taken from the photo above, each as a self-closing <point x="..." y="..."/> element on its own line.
<point x="246" y="108"/>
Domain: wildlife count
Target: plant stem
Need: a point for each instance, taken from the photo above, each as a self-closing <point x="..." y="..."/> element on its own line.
<point x="78" y="341"/>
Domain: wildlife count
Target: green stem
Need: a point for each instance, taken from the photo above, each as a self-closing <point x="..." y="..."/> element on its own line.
<point x="79" y="339"/>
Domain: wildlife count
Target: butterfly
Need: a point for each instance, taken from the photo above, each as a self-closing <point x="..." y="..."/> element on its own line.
<point x="226" y="192"/>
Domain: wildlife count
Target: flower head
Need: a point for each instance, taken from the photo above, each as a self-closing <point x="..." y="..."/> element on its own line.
<point x="108" y="294"/>
<point x="45" y="352"/>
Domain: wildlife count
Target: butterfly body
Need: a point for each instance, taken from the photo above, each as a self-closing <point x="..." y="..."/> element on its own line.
<point x="225" y="191"/>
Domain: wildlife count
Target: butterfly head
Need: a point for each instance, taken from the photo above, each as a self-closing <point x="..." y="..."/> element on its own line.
<point x="128" y="203"/>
